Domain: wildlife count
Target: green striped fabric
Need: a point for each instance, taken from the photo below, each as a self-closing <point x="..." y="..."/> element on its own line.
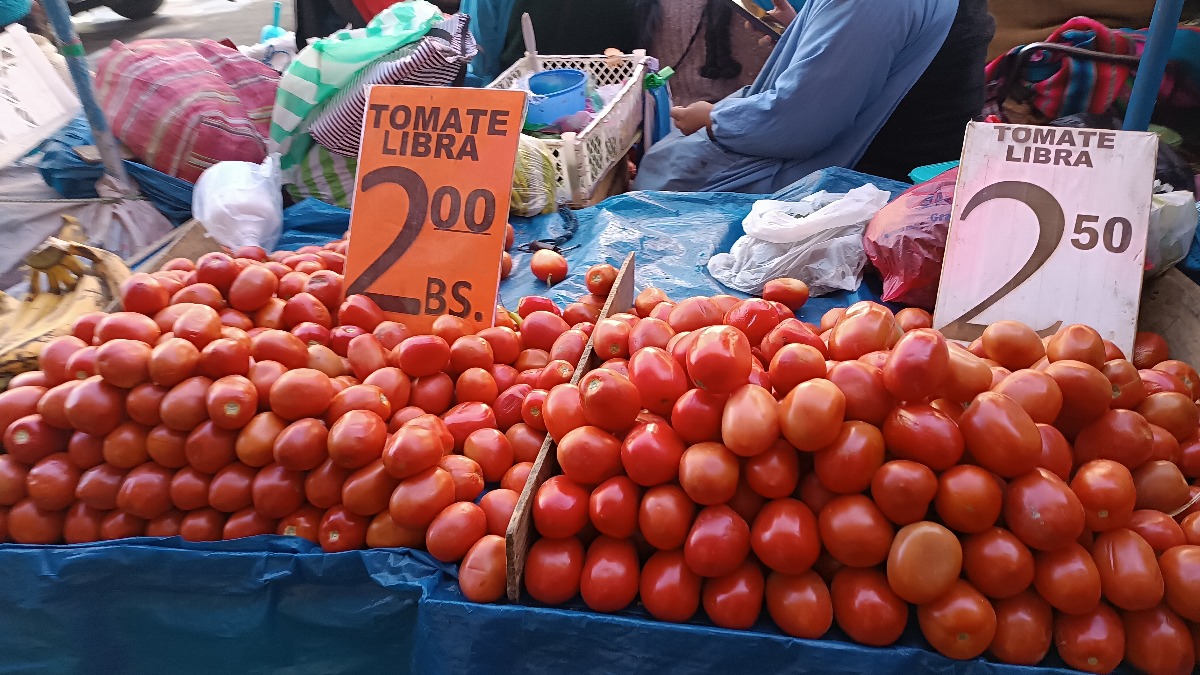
<point x="327" y="65"/>
<point x="325" y="176"/>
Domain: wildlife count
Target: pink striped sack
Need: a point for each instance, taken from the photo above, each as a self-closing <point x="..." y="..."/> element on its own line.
<point x="183" y="105"/>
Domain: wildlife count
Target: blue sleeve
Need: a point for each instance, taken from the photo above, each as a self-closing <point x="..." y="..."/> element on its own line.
<point x="841" y="57"/>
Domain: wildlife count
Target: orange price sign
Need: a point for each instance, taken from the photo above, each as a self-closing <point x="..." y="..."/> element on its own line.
<point x="431" y="201"/>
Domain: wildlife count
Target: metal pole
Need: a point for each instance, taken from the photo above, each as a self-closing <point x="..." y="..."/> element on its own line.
<point x="1154" y="63"/>
<point x="72" y="49"/>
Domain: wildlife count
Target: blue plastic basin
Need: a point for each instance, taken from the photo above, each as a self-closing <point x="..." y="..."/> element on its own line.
<point x="556" y="94"/>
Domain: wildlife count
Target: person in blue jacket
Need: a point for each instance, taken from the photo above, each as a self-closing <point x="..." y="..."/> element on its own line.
<point x="833" y="81"/>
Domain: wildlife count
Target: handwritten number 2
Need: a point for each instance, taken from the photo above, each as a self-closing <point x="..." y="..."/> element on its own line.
<point x="1052" y="223"/>
<point x="418" y="208"/>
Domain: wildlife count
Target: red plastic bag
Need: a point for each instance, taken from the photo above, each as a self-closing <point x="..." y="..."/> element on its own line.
<point x="184" y="105"/>
<point x="905" y="241"/>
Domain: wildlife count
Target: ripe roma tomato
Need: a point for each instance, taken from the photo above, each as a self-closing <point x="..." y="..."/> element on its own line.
<point x="1105" y="489"/>
<point x="613" y="507"/>
<point x="1012" y="344"/>
<point x="610" y="400"/>
<point x="696" y="416"/>
<point x="609" y="582"/>
<point x="924" y="562"/>
<point x="1036" y="392"/>
<point x="854" y="531"/>
<point x="1130" y="578"/>
<point x="669" y="590"/>
<point x="799" y="604"/>
<point x="548" y="266"/>
<point x="455" y="530"/>
<point x="553" y="570"/>
<point x="811" y="415"/>
<point x="960" y="623"/>
<point x="1024" y="629"/>
<point x="665" y="516"/>
<point x="1181" y="573"/>
<point x="775" y="473"/>
<point x="923" y="434"/>
<point x="708" y="472"/>
<point x="1092" y="641"/>
<point x="918" y="367"/>
<point x="651" y="453"/>
<point x="341" y="530"/>
<point x="1158" y="641"/>
<point x="735" y="600"/>
<point x="717" y="543"/>
<point x="866" y="608"/>
<point x="968" y="499"/>
<point x="1068" y="579"/>
<point x="1000" y="435"/>
<point x="848" y="465"/>
<point x="903" y="490"/>
<point x="1042" y="511"/>
<point x="745" y="438"/>
<point x="1120" y="435"/>
<point x="590" y="455"/>
<point x="864" y="328"/>
<point x="719" y="359"/>
<point x="785" y="536"/>
<point x="482" y="574"/>
<point x="997" y="563"/>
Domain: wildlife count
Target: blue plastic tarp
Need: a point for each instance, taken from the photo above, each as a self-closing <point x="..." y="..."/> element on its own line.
<point x="672" y="234"/>
<point x="279" y="605"/>
<point x="74" y="178"/>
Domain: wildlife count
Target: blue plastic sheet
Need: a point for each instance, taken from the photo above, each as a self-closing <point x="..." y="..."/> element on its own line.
<point x="278" y="605"/>
<point x="312" y="222"/>
<point x="673" y="235"/>
<point x="74" y="178"/>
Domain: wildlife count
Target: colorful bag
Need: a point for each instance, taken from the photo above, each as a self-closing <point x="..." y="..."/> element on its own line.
<point x="327" y="65"/>
<point x="184" y="105"/>
<point x="435" y="61"/>
<point x="325" y="176"/>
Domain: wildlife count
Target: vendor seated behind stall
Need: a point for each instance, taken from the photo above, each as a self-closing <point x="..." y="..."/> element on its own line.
<point x="836" y="76"/>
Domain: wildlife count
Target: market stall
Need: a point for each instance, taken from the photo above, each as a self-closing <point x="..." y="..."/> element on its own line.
<point x="683" y="432"/>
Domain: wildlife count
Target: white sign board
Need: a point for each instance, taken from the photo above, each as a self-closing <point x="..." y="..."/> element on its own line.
<point x="34" y="101"/>
<point x="1048" y="228"/>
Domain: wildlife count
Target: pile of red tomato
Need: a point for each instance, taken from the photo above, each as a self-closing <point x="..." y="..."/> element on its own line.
<point x="1022" y="493"/>
<point x="243" y="394"/>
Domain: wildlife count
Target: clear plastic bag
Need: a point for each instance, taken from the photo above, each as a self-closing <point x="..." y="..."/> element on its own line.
<point x="817" y="240"/>
<point x="241" y="204"/>
<point x="906" y="240"/>
<point x="1172" y="229"/>
<point x="533" y="179"/>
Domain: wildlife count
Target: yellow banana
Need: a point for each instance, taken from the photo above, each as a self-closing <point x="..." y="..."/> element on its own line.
<point x="20" y="352"/>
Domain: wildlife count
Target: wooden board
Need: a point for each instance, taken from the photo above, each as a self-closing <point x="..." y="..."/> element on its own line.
<point x="519" y="536"/>
<point x="1171" y="308"/>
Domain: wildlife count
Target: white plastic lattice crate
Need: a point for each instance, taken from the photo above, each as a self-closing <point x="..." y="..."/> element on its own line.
<point x="582" y="160"/>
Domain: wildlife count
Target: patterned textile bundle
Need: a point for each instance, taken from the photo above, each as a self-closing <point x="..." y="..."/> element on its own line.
<point x="184" y="105"/>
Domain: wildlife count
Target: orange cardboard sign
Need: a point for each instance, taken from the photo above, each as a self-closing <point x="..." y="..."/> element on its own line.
<point x="431" y="201"/>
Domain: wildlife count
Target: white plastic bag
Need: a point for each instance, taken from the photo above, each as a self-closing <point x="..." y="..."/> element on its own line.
<point x="1172" y="229"/>
<point x="240" y="203"/>
<point x="817" y="240"/>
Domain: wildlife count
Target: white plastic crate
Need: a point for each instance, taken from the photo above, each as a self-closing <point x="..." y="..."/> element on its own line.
<point x="582" y="160"/>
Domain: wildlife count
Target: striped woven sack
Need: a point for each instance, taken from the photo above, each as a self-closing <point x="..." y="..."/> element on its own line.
<point x="322" y="69"/>
<point x="183" y="105"/>
<point x="325" y="176"/>
<point x="435" y="61"/>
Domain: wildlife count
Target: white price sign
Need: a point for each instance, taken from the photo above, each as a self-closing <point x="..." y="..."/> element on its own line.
<point x="1048" y="228"/>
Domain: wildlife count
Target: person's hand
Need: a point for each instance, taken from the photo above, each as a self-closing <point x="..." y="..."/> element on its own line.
<point x="784" y="13"/>
<point x="693" y="118"/>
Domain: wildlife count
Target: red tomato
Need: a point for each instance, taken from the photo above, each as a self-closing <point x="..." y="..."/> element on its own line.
<point x="553" y="570"/>
<point x="669" y="590"/>
<point x="30" y="524"/>
<point x="418" y="499"/>
<point x="1042" y="511"/>
<point x="785" y="536"/>
<point x="613" y="508"/>
<point x="560" y="508"/>
<point x="1158" y="529"/>
<point x="719" y="359"/>
<point x="1128" y="388"/>
<point x="1000" y="435"/>
<point x="918" y="367"/>
<point x="862" y="385"/>
<point x="799" y="604"/>
<point x="924" y="562"/>
<point x="1036" y="392"/>
<point x="750" y="402"/>
<point x="1106" y="491"/>
<point x="466" y="474"/>
<point x="696" y="416"/>
<point x="120" y="525"/>
<point x="735" y="600"/>
<point x="1068" y="579"/>
<point x="590" y="456"/>
<point x="1024" y="629"/>
<point x="526" y="442"/>
<point x="29" y="439"/>
<point x="455" y="530"/>
<point x="50" y="484"/>
<point x="1158" y="641"/>
<point x="301" y="393"/>
<point x="811" y="415"/>
<point x="665" y="516"/>
<point x="1172" y="411"/>
<point x="960" y="624"/>
<point x="516" y="477"/>
<point x="1120" y="435"/>
<point x="1130" y="577"/>
<point x="854" y="531"/>
<point x="922" y="434"/>
<point x="498" y="506"/>
<point x="1091" y="641"/>
<point x="482" y="574"/>
<point x="341" y="530"/>
<point x="202" y="525"/>
<point x="123" y="363"/>
<point x="968" y="499"/>
<point x="1087" y="393"/>
<point x="848" y="464"/>
<point x="717" y="543"/>
<point x="82" y="524"/>
<point x="997" y="563"/>
<point x="1012" y="344"/>
<point x="708" y="473"/>
<point x="146" y="491"/>
<point x="903" y="490"/>
<point x="129" y="326"/>
<point x="968" y="375"/>
<point x="866" y="608"/>
<point x="548" y="266"/>
<point x="651" y="454"/>
<point x="773" y="474"/>
<point x="609" y="400"/>
<point x="791" y="292"/>
<point x="658" y="378"/>
<point x="1181" y="574"/>
<point x="609" y="582"/>
<point x="1057" y="456"/>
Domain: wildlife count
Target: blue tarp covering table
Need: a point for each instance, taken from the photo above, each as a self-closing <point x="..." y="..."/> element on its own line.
<point x="278" y="605"/>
